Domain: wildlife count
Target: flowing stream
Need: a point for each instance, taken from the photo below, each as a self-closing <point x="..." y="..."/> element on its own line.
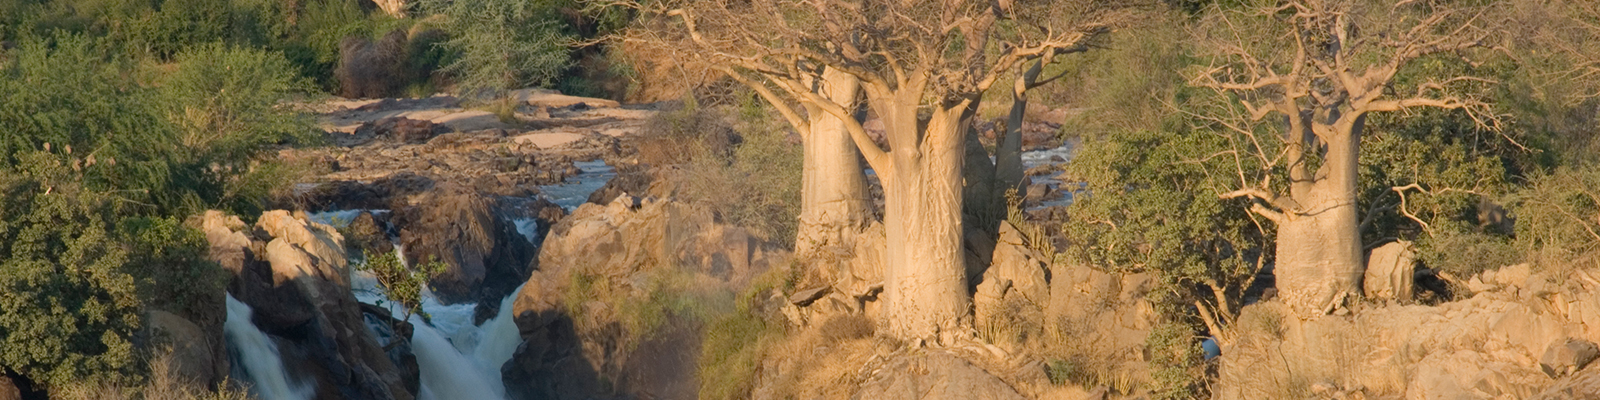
<point x="257" y="356"/>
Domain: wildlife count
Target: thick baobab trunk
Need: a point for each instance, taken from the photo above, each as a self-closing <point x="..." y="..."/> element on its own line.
<point x="926" y="288"/>
<point x="1319" y="258"/>
<point x="833" y="201"/>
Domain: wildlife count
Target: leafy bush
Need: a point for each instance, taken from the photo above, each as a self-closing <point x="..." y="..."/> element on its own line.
<point x="169" y="263"/>
<point x="503" y="44"/>
<point x="89" y="231"/>
<point x="1150" y="203"/>
<point x="70" y="307"/>
<point x="181" y="23"/>
<point x="73" y="92"/>
<point x="401" y="284"/>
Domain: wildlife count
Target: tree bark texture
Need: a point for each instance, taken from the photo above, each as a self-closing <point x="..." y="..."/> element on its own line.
<point x="833" y="203"/>
<point x="1319" y="257"/>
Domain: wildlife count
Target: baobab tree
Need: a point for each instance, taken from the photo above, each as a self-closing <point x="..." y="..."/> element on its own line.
<point x="834" y="204"/>
<point x="1319" y="68"/>
<point x="922" y="67"/>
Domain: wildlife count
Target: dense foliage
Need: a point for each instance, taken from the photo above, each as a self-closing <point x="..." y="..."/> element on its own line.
<point x="102" y="155"/>
<point x="504" y="44"/>
<point x="68" y="305"/>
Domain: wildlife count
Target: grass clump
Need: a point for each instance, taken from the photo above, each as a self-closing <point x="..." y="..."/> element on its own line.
<point x="164" y="384"/>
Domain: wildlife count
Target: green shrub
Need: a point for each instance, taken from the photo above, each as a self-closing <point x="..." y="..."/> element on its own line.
<point x="400" y="284"/>
<point x="736" y="342"/>
<point x="503" y="44"/>
<point x="1173" y="355"/>
<point x="68" y="305"/>
<point x="731" y="354"/>
<point x="181" y="23"/>
<point x="169" y="262"/>
<point x="223" y="101"/>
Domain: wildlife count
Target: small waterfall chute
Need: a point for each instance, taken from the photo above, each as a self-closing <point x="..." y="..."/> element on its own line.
<point x="258" y="357"/>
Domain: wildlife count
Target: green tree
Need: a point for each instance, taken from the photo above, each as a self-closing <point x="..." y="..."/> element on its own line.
<point x="503" y="44"/>
<point x="223" y="103"/>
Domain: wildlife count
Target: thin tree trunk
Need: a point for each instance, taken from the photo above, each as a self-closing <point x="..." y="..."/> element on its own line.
<point x="926" y="291"/>
<point x="834" y="189"/>
<point x="1008" y="148"/>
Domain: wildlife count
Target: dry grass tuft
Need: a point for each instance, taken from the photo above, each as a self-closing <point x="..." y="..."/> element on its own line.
<point x="816" y="364"/>
<point x="847" y="327"/>
<point x="164" y="384"/>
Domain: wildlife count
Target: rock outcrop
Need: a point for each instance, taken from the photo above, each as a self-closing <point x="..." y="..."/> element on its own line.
<point x="485" y="254"/>
<point x="1568" y="356"/>
<point x="1015" y="290"/>
<point x="1490" y="345"/>
<point x="624" y="252"/>
<point x="298" y="283"/>
<point x="196" y="356"/>
<point x="1390" y="271"/>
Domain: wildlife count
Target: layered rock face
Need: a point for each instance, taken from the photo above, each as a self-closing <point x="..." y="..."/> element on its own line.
<point x="624" y="249"/>
<point x="1518" y="334"/>
<point x="295" y="275"/>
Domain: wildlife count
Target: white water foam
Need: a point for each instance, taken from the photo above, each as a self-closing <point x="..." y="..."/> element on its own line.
<point x="258" y="357"/>
<point x="457" y="359"/>
<point x="575" y="191"/>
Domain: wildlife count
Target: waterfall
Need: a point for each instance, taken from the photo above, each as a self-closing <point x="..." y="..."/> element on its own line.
<point x="457" y="360"/>
<point x="448" y="372"/>
<point x="258" y="357"/>
<point x="498" y="339"/>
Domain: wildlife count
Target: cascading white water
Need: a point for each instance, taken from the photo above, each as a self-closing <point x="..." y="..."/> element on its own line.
<point x="258" y="357"/>
<point x="457" y="360"/>
<point x="446" y="373"/>
<point x="498" y="339"/>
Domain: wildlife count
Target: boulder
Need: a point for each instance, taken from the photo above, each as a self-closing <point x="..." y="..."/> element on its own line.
<point x="554" y="99"/>
<point x="1514" y="276"/>
<point x="1584" y="384"/>
<point x="401" y="129"/>
<point x="368" y="234"/>
<point x="1568" y="356"/>
<point x="629" y="181"/>
<point x="485" y="255"/>
<point x="318" y="240"/>
<point x="1390" y="270"/>
<point x="193" y="352"/>
<point x="621" y="248"/>
<point x="934" y="375"/>
<point x="1016" y="286"/>
<point x="277" y="305"/>
<point x="17" y="387"/>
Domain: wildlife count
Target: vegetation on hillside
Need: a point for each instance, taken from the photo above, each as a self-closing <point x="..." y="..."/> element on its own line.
<point x="121" y="118"/>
